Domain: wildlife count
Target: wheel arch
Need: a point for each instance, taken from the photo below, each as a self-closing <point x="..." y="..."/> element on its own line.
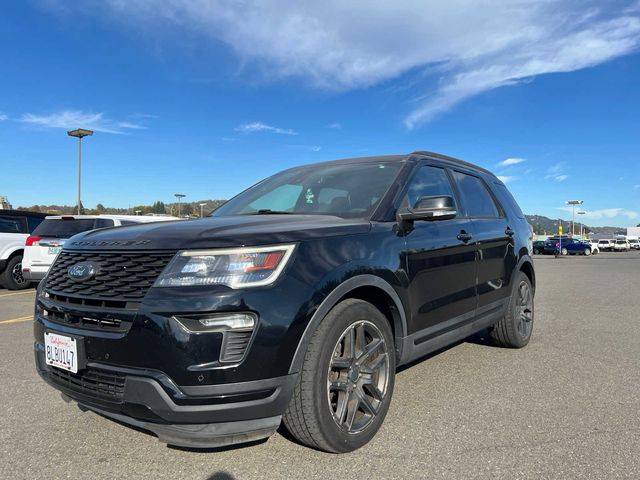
<point x="370" y="288"/>
<point x="526" y="266"/>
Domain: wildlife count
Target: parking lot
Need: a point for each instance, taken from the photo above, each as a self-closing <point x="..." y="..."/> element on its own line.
<point x="567" y="406"/>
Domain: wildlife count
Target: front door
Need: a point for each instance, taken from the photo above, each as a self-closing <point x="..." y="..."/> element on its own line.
<point x="440" y="258"/>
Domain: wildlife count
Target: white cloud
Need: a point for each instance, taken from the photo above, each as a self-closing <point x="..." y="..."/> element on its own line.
<point x="465" y="47"/>
<point x="511" y="161"/>
<point x="555" y="172"/>
<point x="3" y="117"/>
<point x="604" y="213"/>
<point x="70" y="119"/>
<point x="263" y="127"/>
<point x="560" y="178"/>
<point x="335" y="126"/>
<point x="506" y="179"/>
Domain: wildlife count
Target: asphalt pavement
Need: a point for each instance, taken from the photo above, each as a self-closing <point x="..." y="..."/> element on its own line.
<point x="566" y="406"/>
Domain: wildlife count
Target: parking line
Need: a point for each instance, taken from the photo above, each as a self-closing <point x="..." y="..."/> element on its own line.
<point x="17" y="320"/>
<point x="17" y="293"/>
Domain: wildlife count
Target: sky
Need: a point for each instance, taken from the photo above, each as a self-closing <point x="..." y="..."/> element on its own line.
<point x="207" y="97"/>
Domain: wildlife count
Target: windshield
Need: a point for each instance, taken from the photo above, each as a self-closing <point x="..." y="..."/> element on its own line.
<point x="347" y="190"/>
<point x="62" y="228"/>
<point x="621" y="241"/>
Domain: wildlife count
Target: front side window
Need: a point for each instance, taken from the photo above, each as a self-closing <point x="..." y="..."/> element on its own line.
<point x="475" y="197"/>
<point x="351" y="190"/>
<point x="428" y="181"/>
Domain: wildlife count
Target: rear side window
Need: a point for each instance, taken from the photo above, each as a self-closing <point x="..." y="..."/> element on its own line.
<point x="505" y="198"/>
<point x="103" y="223"/>
<point x="12" y="224"/>
<point x="59" y="228"/>
<point x="428" y="181"/>
<point x="33" y="222"/>
<point x="475" y="197"/>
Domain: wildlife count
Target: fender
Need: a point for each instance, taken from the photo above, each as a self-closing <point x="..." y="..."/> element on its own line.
<point x="526" y="258"/>
<point x="10" y="251"/>
<point x="332" y="299"/>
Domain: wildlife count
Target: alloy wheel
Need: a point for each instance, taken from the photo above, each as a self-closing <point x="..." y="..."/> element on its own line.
<point x="358" y="376"/>
<point x="524" y="310"/>
<point x="16" y="274"/>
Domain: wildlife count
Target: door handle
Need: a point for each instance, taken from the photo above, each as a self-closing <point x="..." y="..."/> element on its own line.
<point x="509" y="232"/>
<point x="464" y="236"/>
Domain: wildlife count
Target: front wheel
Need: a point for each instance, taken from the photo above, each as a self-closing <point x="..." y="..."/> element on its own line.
<point x="587" y="252"/>
<point x="514" y="328"/>
<point x="345" y="386"/>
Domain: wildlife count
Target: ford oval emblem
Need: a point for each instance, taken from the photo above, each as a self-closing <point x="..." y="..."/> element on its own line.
<point x="82" y="271"/>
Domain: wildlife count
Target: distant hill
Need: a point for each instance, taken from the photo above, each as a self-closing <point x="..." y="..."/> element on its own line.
<point x="546" y="226"/>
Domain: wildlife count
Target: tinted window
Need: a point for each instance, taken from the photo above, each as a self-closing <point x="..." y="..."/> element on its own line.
<point x="59" y="228"/>
<point x="12" y="224"/>
<point x="505" y="198"/>
<point x="350" y="190"/>
<point x="475" y="197"/>
<point x="33" y="222"/>
<point x="103" y="223"/>
<point x="428" y="181"/>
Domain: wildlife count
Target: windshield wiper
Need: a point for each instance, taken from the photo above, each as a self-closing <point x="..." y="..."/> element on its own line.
<point x="267" y="211"/>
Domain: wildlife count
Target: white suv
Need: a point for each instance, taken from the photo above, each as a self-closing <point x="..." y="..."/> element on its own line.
<point x="604" y="245"/>
<point x="634" y="243"/>
<point x="46" y="241"/>
<point x="621" y="245"/>
<point x="15" y="227"/>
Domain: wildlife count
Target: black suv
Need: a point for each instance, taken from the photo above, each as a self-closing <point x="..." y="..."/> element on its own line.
<point x="295" y="301"/>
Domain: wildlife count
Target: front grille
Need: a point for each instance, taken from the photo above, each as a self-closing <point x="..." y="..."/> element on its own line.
<point x="90" y="382"/>
<point x="106" y="321"/>
<point x="126" y="276"/>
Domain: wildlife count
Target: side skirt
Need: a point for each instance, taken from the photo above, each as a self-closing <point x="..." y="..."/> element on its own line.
<point x="439" y="336"/>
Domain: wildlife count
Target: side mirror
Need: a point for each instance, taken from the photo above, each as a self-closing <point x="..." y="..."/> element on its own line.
<point x="438" y="207"/>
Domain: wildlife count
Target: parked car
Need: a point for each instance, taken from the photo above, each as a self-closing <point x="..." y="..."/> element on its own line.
<point x="634" y="243"/>
<point x="47" y="240"/>
<point x="568" y="246"/>
<point x="594" y="246"/>
<point x="538" y="247"/>
<point x="295" y="301"/>
<point x="605" y="245"/>
<point x="621" y="245"/>
<point x="15" y="227"/>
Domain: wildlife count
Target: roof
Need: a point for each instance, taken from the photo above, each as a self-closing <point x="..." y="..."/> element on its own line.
<point x="403" y="158"/>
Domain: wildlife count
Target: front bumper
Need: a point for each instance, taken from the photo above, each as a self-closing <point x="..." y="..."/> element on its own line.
<point x="198" y="416"/>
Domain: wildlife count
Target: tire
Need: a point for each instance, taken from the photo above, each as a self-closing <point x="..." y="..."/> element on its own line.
<point x="587" y="251"/>
<point x="514" y="329"/>
<point x="564" y="251"/>
<point x="318" y="414"/>
<point x="12" y="277"/>
<point x="536" y="251"/>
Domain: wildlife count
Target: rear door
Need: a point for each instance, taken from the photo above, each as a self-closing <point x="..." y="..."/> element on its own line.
<point x="493" y="234"/>
<point x="440" y="258"/>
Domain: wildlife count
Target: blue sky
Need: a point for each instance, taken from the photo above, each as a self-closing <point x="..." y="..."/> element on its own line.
<point x="205" y="98"/>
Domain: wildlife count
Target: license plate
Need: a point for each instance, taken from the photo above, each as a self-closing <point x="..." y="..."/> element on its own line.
<point x="54" y="250"/>
<point x="61" y="352"/>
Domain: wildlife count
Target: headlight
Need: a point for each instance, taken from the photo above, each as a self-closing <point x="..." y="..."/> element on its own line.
<point x="235" y="267"/>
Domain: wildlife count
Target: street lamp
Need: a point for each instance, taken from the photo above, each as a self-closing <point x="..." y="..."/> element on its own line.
<point x="202" y="205"/>
<point x="179" y="196"/>
<point x="581" y="212"/>
<point x="79" y="133"/>
<point x="573" y="204"/>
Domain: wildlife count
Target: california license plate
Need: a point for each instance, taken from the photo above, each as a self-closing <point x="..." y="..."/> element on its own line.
<point x="54" y="250"/>
<point x="61" y="352"/>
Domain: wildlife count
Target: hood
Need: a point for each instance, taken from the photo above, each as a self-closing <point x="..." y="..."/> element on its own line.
<point x="218" y="232"/>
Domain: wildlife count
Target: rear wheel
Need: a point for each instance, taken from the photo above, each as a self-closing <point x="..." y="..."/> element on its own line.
<point x="12" y="277"/>
<point x="564" y="251"/>
<point x="514" y="328"/>
<point x="345" y="386"/>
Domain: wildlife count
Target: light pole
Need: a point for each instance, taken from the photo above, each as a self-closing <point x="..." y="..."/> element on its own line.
<point x="202" y="205"/>
<point x="573" y="204"/>
<point x="179" y="196"/>
<point x="581" y="212"/>
<point x="79" y="133"/>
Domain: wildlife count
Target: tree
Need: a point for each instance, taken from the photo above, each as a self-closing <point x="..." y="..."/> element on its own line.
<point x="158" y="207"/>
<point x="100" y="208"/>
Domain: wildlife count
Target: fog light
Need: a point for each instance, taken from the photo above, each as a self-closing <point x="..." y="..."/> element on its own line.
<point x="229" y="321"/>
<point x="236" y="328"/>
